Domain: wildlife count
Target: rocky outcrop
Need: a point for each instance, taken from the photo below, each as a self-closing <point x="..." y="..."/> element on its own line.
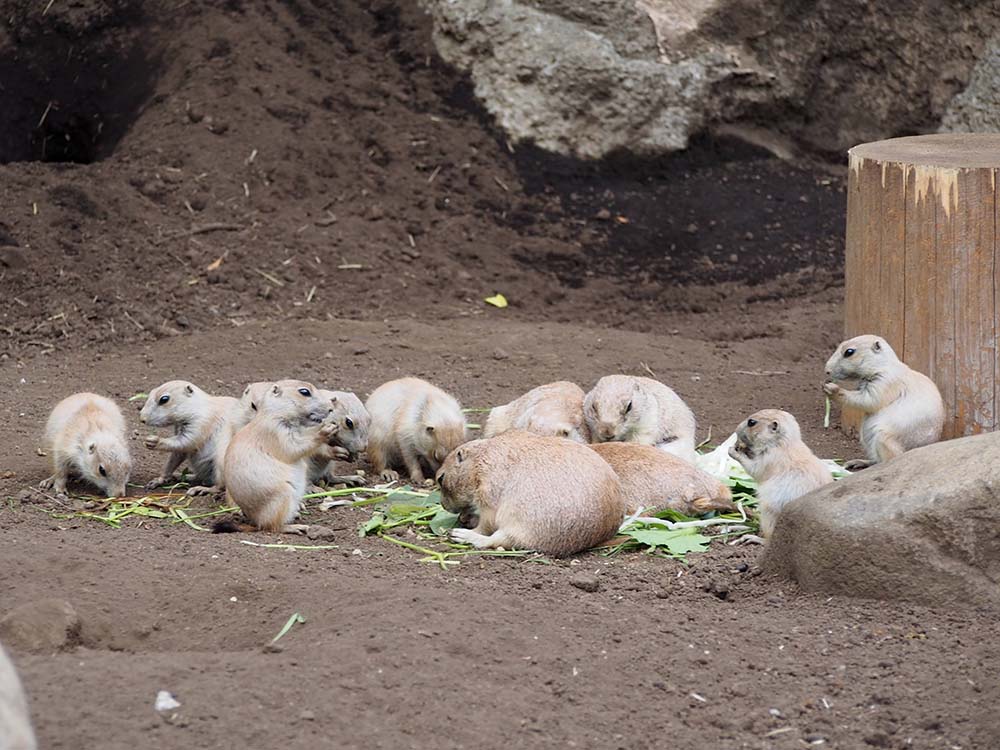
<point x="977" y="109"/>
<point x="924" y="527"/>
<point x="589" y="78"/>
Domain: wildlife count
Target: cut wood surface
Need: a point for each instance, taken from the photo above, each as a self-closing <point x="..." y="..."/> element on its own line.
<point x="921" y="264"/>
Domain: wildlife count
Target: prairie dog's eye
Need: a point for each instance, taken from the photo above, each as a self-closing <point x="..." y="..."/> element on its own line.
<point x="102" y="470"/>
<point x="350" y="423"/>
<point x="849" y="352"/>
<point x="305" y="392"/>
<point x="163" y="399"/>
<point x="628" y="407"/>
<point x="253" y="406"/>
<point x="751" y="422"/>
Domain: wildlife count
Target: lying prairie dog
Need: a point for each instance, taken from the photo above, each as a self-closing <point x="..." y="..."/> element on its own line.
<point x="626" y="408"/>
<point x="414" y="426"/>
<point x="532" y="492"/>
<point x="555" y="410"/>
<point x="353" y="423"/>
<point x="653" y="479"/>
<point x="266" y="465"/>
<point x="769" y="446"/>
<point x="902" y="407"/>
<point x="85" y="436"/>
<point x="15" y="720"/>
<point x="203" y="426"/>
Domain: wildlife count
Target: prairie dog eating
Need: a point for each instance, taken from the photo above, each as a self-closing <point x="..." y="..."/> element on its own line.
<point x="555" y="410"/>
<point x="902" y="408"/>
<point x="626" y="408"/>
<point x="769" y="446"/>
<point x="414" y="426"/>
<point x="202" y="427"/>
<point x="85" y="436"/>
<point x="266" y="464"/>
<point x="532" y="492"/>
<point x="353" y="422"/>
<point x="653" y="479"/>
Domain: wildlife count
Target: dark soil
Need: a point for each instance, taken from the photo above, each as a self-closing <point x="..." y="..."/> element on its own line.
<point x="312" y="136"/>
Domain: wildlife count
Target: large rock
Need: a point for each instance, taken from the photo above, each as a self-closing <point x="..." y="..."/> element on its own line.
<point x="45" y="625"/>
<point x="977" y="109"/>
<point x="589" y="78"/>
<point x="923" y="527"/>
<point x="15" y="722"/>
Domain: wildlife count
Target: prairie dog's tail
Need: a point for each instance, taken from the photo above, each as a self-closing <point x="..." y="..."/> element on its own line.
<point x="229" y="526"/>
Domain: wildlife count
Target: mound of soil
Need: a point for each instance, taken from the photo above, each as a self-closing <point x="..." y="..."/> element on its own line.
<point x="237" y="190"/>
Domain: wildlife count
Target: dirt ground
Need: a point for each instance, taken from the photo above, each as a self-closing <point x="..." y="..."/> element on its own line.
<point x="311" y="138"/>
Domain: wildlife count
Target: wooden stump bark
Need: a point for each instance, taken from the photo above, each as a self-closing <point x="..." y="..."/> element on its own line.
<point x="921" y="266"/>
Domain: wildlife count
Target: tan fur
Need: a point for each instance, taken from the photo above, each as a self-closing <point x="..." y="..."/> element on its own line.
<point x="625" y="408"/>
<point x="15" y="721"/>
<point x="202" y="427"/>
<point x="353" y="422"/>
<point x="532" y="492"/>
<point x="86" y="433"/>
<point x="902" y="407"/>
<point x="266" y="463"/>
<point x="555" y="410"/>
<point x="653" y="479"/>
<point x="414" y="426"/>
<point x="769" y="446"/>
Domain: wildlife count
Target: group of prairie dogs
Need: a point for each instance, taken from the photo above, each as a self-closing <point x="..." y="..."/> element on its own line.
<point x="556" y="470"/>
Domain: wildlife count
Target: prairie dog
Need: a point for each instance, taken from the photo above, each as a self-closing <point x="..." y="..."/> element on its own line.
<point x="555" y="410"/>
<point x="85" y="436"/>
<point x="654" y="479"/>
<point x="414" y="425"/>
<point x="266" y="463"/>
<point x="532" y="492"/>
<point x="769" y="446"/>
<point x="15" y="721"/>
<point x="625" y="408"/>
<point x="202" y="430"/>
<point x="902" y="407"/>
<point x="353" y="422"/>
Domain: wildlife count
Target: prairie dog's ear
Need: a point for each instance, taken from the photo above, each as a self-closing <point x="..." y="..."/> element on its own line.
<point x="458" y="456"/>
<point x="92" y="447"/>
<point x="333" y="400"/>
<point x="877" y="346"/>
<point x="774" y="426"/>
<point x="276" y="390"/>
<point x="189" y="389"/>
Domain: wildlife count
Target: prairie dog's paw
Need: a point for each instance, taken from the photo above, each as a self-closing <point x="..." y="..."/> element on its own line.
<point x="429" y="483"/>
<point x="328" y="430"/>
<point x="832" y="389"/>
<point x="46" y="484"/>
<point x="339" y="453"/>
<point x="153" y="484"/>
<point x="151" y="441"/>
<point x="470" y="536"/>
<point x="199" y="490"/>
<point x="389" y="476"/>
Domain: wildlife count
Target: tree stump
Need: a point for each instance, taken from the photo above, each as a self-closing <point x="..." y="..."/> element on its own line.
<point x="921" y="268"/>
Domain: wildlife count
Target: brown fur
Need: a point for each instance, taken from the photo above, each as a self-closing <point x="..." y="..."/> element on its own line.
<point x="652" y="479"/>
<point x="266" y="462"/>
<point x="532" y="492"/>
<point x="555" y="409"/>
<point x="414" y="426"/>
<point x="769" y="446"/>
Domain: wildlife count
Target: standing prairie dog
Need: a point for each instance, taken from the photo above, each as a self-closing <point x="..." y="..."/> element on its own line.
<point x="202" y="431"/>
<point x="653" y="479"/>
<point x="630" y="409"/>
<point x="555" y="410"/>
<point x="353" y="422"/>
<point x="15" y="721"/>
<point x="532" y="492"/>
<point x="902" y="407"/>
<point x="415" y="425"/>
<point x="85" y="436"/>
<point x="769" y="446"/>
<point x="266" y="463"/>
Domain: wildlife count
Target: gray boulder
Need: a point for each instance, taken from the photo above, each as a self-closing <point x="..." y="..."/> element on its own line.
<point x="977" y="109"/>
<point x="45" y="625"/>
<point x="15" y="722"/>
<point x="924" y="527"/>
<point x="589" y="78"/>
